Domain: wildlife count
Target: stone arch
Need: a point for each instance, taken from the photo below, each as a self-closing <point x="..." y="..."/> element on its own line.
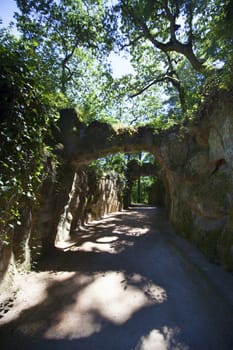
<point x="79" y="144"/>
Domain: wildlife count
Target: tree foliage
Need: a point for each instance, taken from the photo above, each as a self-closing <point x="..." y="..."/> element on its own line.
<point x="175" y="45"/>
<point x="68" y="34"/>
<point x="27" y="109"/>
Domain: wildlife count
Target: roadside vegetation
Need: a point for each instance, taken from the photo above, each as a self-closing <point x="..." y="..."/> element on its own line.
<point x="179" y="51"/>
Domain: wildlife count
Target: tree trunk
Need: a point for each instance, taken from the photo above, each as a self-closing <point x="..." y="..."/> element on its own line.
<point x="139" y="178"/>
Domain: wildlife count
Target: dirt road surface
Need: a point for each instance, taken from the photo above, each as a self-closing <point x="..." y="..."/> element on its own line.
<point x="129" y="283"/>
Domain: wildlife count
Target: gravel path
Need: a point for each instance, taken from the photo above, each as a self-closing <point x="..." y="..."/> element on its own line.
<point x="129" y="283"/>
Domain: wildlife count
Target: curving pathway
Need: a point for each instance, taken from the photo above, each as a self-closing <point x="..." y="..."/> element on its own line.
<point x="128" y="283"/>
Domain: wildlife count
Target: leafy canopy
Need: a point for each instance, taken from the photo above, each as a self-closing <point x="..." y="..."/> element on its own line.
<point x="175" y="46"/>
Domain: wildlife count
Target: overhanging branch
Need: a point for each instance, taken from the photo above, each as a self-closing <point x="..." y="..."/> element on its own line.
<point x="156" y="81"/>
<point x="185" y="49"/>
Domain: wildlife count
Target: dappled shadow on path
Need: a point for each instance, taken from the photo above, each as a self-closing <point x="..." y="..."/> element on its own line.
<point x="91" y="294"/>
<point x="99" y="235"/>
<point x="118" y="234"/>
<point x="107" y="291"/>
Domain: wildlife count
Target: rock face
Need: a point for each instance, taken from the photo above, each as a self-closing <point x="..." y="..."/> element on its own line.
<point x="200" y="180"/>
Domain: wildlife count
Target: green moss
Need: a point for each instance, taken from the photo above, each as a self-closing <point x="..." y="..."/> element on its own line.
<point x="183" y="223"/>
<point x="225" y="249"/>
<point x="215" y="188"/>
<point x="207" y="242"/>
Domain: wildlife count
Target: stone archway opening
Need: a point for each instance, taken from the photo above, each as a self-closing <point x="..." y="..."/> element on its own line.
<point x="105" y="186"/>
<point x="148" y="190"/>
<point x="145" y="181"/>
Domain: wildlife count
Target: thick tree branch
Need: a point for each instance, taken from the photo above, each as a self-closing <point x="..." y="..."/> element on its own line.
<point x="190" y="21"/>
<point x="172" y="19"/>
<point x="172" y="45"/>
<point x="176" y="82"/>
<point x="184" y="49"/>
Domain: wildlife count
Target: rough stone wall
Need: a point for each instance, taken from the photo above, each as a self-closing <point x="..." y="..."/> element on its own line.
<point x="24" y="241"/>
<point x="69" y="198"/>
<point x="197" y="168"/>
<point x="107" y="196"/>
<point x="90" y="199"/>
<point x="73" y="198"/>
<point x="156" y="193"/>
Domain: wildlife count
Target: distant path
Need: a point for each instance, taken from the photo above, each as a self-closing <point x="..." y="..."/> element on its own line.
<point x="128" y="284"/>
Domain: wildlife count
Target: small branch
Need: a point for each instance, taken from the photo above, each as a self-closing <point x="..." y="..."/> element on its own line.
<point x="159" y="80"/>
<point x="169" y="78"/>
<point x="133" y="120"/>
<point x="170" y="16"/>
<point x="131" y="43"/>
<point x="69" y="77"/>
<point x="190" y="22"/>
<point x="172" y="19"/>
